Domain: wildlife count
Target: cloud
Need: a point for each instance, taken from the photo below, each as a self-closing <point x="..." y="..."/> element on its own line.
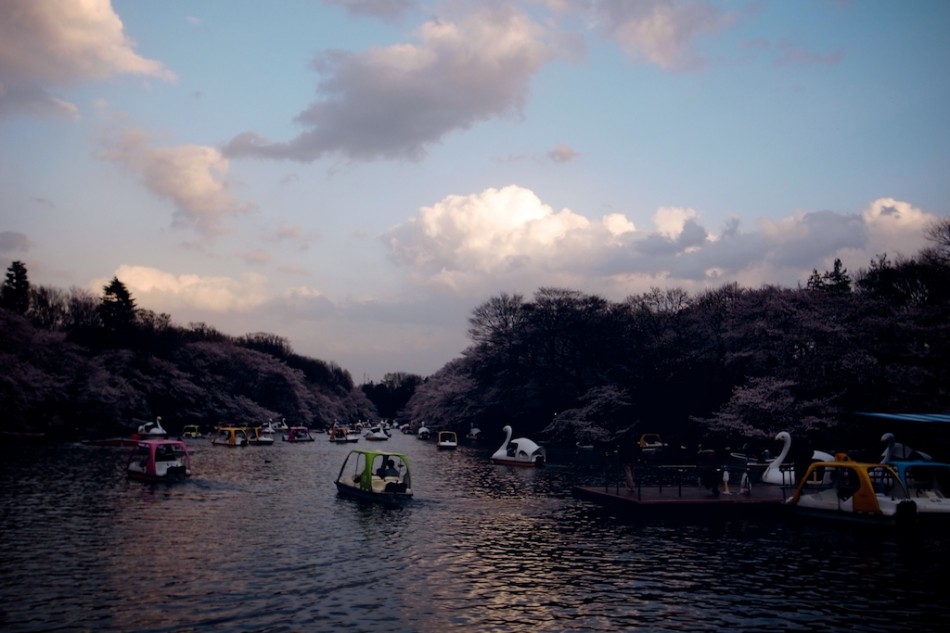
<point x="45" y="44"/>
<point x="387" y="10"/>
<point x="508" y="238"/>
<point x="14" y="242"/>
<point x="562" y="154"/>
<point x="165" y="292"/>
<point x="191" y="176"/>
<point x="506" y="232"/>
<point x="661" y="32"/>
<point x="393" y="102"/>
<point x="795" y="54"/>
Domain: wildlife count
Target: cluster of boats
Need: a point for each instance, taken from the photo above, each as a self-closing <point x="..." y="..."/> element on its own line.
<point x="904" y="486"/>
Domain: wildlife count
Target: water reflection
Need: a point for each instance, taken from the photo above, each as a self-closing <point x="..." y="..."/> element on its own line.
<point x="258" y="541"/>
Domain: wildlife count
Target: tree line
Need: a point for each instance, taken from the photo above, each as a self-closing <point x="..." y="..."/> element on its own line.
<point x="728" y="366"/>
<point x="78" y="365"/>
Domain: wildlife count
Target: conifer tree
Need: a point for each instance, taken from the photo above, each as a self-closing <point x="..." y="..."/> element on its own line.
<point x="117" y="308"/>
<point x="15" y="294"/>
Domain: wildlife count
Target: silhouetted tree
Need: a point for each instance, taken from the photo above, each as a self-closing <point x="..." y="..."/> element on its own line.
<point x="117" y="308"/>
<point x="836" y="280"/>
<point x="15" y="293"/>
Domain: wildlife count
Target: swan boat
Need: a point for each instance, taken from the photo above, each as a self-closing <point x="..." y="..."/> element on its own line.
<point x="519" y="452"/>
<point x="778" y="473"/>
<point x="159" y="460"/>
<point x="927" y="481"/>
<point x="447" y="440"/>
<point x="377" y="434"/>
<point x="261" y="435"/>
<point x="853" y="491"/>
<point x="423" y="432"/>
<point x="152" y="430"/>
<point x="377" y="476"/>
<point x="342" y="435"/>
<point x="232" y="436"/>
<point x="297" y="434"/>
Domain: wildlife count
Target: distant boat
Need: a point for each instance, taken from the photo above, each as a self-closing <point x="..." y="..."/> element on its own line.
<point x="232" y="436"/>
<point x="342" y="435"/>
<point x="261" y="435"/>
<point x="298" y="434"/>
<point x="152" y="430"/>
<point x="159" y="460"/>
<point x="377" y="434"/>
<point x="191" y="432"/>
<point x="423" y="432"/>
<point x="447" y="440"/>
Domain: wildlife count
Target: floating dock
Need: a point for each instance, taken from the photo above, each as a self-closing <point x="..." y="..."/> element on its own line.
<point x="675" y="490"/>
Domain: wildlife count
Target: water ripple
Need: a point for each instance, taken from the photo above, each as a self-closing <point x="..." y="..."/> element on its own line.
<point x="258" y="541"/>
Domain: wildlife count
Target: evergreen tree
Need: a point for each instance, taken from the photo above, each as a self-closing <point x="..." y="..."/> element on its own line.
<point x="117" y="308"/>
<point x="15" y="294"/>
<point x="836" y="281"/>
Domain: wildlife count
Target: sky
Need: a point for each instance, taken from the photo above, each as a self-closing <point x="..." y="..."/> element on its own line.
<point x="357" y="176"/>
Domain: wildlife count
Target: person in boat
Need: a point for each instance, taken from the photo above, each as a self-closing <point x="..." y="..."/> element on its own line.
<point x="387" y="470"/>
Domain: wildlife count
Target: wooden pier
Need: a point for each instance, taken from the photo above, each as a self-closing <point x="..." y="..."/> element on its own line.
<point x="674" y="491"/>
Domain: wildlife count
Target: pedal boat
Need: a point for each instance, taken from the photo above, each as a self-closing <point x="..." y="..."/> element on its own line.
<point x="298" y="434"/>
<point x="159" y="460"/>
<point x="364" y="476"/>
<point x="853" y="491"/>
<point x="447" y="440"/>
<point x="233" y="436"/>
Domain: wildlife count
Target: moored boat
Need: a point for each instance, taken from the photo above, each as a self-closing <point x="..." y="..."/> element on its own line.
<point x="376" y="476"/>
<point x="927" y="481"/>
<point x="853" y="491"/>
<point x="159" y="460"/>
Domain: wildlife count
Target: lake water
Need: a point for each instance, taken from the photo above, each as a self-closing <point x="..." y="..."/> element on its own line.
<point x="258" y="541"/>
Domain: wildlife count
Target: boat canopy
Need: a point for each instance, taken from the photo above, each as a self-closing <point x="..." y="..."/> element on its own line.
<point x="909" y="417"/>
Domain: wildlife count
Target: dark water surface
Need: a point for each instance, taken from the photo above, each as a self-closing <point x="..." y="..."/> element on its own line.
<point x="257" y="541"/>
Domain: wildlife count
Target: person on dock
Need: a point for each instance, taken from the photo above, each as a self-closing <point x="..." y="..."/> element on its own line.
<point x="629" y="456"/>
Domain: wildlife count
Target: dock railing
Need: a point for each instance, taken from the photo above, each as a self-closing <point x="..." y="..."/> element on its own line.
<point x="729" y="478"/>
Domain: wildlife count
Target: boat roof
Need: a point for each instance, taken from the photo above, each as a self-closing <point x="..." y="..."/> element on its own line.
<point x="374" y="452"/>
<point x="909" y="417"/>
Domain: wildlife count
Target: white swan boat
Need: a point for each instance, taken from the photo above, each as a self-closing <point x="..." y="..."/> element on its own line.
<point x="376" y="434"/>
<point x="519" y="452"/>
<point x="781" y="474"/>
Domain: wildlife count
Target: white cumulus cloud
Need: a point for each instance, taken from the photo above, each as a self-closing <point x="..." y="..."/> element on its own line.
<point x="193" y="177"/>
<point x="49" y="43"/>
<point x="394" y="101"/>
